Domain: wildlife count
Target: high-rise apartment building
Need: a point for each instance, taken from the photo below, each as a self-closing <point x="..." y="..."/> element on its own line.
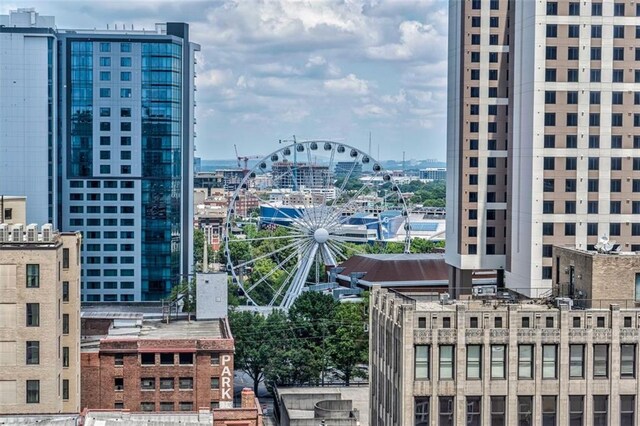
<point x="39" y="320"/>
<point x="120" y="169"/>
<point x="542" y="134"/>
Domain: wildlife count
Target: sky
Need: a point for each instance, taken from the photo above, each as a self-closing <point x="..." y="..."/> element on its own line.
<point x="315" y="69"/>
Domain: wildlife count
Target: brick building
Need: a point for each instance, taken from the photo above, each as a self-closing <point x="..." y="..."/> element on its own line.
<point x="152" y="366"/>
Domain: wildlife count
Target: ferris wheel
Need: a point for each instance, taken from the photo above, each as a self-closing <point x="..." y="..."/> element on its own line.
<point x="302" y="210"/>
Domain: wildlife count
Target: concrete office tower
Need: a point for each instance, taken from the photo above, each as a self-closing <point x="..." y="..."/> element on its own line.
<point x="127" y="122"/>
<point x="28" y="115"/>
<point x="541" y="134"/>
<point x="39" y="320"/>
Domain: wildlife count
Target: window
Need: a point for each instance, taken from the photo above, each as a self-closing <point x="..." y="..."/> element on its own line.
<point x="497" y="322"/>
<point x="627" y="361"/>
<point x="65" y="389"/>
<point x="498" y="361"/>
<point x="446" y="362"/>
<point x="422" y="362"/>
<point x="215" y="383"/>
<point x="125" y="93"/>
<point x="125" y="61"/>
<point x="105" y="92"/>
<point x="576" y="410"/>
<point x="473" y="411"/>
<point x="473" y="322"/>
<point x="576" y="359"/>
<point x="549" y="414"/>
<point x="615" y="207"/>
<point x="592" y="229"/>
<point x="572" y="75"/>
<point x="166" y="406"/>
<point x="572" y="119"/>
<point x="595" y="75"/>
<point x="618" y="31"/>
<point x="125" y="76"/>
<point x="618" y="53"/>
<point x="551" y="52"/>
<point x="616" y="184"/>
<point x="33" y="352"/>
<point x="186" y="358"/>
<point x="148" y="383"/>
<point x="147" y="406"/>
<point x="618" y="76"/>
<point x="147" y="359"/>
<point x="547" y="228"/>
<point x="118" y="384"/>
<point x="105" y="126"/>
<point x="446" y="410"/>
<point x="600" y="361"/>
<point x="105" y="61"/>
<point x="618" y="9"/>
<point x="616" y="119"/>
<point x="118" y="360"/>
<point x="422" y="409"/>
<point x="125" y="47"/>
<point x="549" y="361"/>
<point x="33" y="275"/>
<point x="552" y="30"/>
<point x="571" y="163"/>
<point x="596" y="31"/>
<point x="600" y="410"/>
<point x="614" y="229"/>
<point x="65" y="356"/>
<point x="600" y="322"/>
<point x="549" y="141"/>
<point x="573" y="31"/>
<point x="596" y="9"/>
<point x="525" y="410"/>
<point x="549" y="97"/>
<point x="185" y="382"/>
<point x="526" y="323"/>
<point x="549" y="163"/>
<point x="33" y="391"/>
<point x="594" y="119"/>
<point x="166" y="383"/>
<point x="65" y="323"/>
<point x="33" y="315"/>
<point x="596" y="53"/>
<point x="550" y="74"/>
<point x="474" y="363"/>
<point x="525" y="361"/>
<point x="475" y="39"/>
<point x="166" y="359"/>
<point x="616" y="98"/>
<point x="627" y="409"/>
<point x="549" y="323"/>
<point x="105" y="47"/>
<point x="494" y="22"/>
<point x="552" y="8"/>
<point x="627" y="322"/>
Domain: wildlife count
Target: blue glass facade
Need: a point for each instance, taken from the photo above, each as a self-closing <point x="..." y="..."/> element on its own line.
<point x="81" y="110"/>
<point x="161" y="168"/>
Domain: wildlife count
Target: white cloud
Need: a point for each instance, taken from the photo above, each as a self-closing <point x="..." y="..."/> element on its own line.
<point x="370" y="110"/>
<point x="417" y="41"/>
<point x="347" y="85"/>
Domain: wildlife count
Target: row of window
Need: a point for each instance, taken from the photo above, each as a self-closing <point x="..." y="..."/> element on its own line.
<point x="109" y="285"/>
<point x="527" y="363"/>
<point x="573" y="31"/>
<point x="106" y="76"/>
<point x="615" y="207"/>
<point x="166" y="358"/>
<point x="571" y="141"/>
<point x="78" y="196"/>
<point x="164" y="406"/>
<point x="525" y="410"/>
<point x="33" y="391"/>
<point x="105" y="61"/>
<point x="595" y="53"/>
<point x="166" y="383"/>
<point x="105" y="47"/>
<point x="92" y="260"/>
<point x="33" y="350"/>
<point x="107" y="297"/>
<point x="595" y="76"/>
<point x="105" y="184"/>
<point x="525" y="322"/>
<point x="474" y="92"/>
<point x="593" y="163"/>
<point x="571" y="119"/>
<point x="96" y="222"/>
<point x="617" y="97"/>
<point x="111" y="247"/>
<point x="493" y="75"/>
<point x="105" y="92"/>
<point x="125" y="126"/>
<point x="596" y="8"/>
<point x="570" y="185"/>
<point x="107" y="210"/>
<point x="592" y="229"/>
<point x="110" y="272"/>
<point x="32" y="318"/>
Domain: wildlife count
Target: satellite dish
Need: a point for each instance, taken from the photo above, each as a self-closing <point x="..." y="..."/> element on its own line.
<point x="605" y="245"/>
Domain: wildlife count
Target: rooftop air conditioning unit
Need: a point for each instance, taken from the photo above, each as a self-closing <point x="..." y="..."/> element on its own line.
<point x="32" y="233"/>
<point x="16" y="232"/>
<point x="47" y="232"/>
<point x="4" y="233"/>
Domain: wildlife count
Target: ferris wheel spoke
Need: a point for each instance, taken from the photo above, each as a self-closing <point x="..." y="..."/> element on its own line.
<point x="334" y="218"/>
<point x="287" y="283"/>
<point x="273" y="271"/>
<point x="249" y="262"/>
<point x="300" y="277"/>
<point x="275" y="237"/>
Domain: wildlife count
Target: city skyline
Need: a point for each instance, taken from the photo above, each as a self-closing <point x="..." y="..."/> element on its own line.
<point x="360" y="67"/>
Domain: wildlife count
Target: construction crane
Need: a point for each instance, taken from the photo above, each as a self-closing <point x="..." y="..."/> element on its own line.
<point x="245" y="159"/>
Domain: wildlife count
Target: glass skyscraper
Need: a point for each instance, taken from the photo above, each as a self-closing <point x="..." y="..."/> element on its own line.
<point x="121" y="166"/>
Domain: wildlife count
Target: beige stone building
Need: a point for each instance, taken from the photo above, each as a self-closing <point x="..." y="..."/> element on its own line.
<point x="594" y="279"/>
<point x="39" y="320"/>
<point x="492" y="363"/>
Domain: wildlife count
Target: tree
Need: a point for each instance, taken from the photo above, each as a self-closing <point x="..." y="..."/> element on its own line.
<point x="349" y="344"/>
<point x="252" y="342"/>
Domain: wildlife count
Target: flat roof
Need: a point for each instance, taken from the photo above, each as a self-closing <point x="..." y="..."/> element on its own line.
<point x="181" y="329"/>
